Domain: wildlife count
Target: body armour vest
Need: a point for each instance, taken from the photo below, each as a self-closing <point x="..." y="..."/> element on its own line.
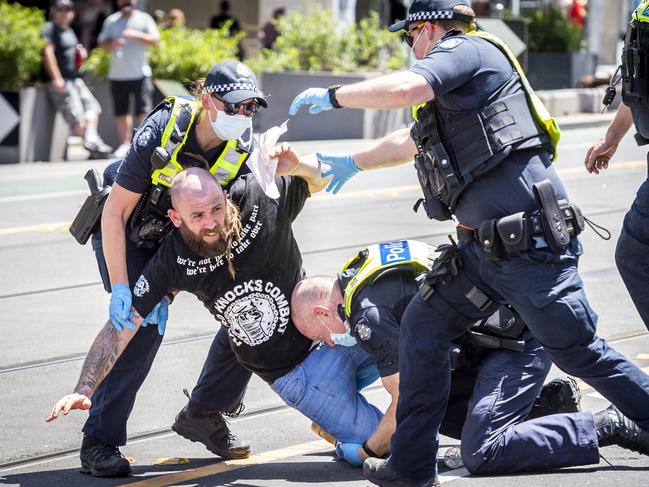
<point x="149" y="223"/>
<point x="635" y="59"/>
<point x="456" y="147"/>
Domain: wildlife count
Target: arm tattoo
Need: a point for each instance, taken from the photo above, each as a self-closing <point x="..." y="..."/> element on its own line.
<point x="100" y="360"/>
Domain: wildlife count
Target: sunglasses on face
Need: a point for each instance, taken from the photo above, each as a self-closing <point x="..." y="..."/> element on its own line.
<point x="407" y="38"/>
<point x="249" y="108"/>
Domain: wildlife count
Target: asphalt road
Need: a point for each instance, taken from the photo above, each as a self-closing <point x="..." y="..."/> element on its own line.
<point x="52" y="305"/>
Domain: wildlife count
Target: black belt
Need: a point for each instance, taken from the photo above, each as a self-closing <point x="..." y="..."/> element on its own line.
<point x="513" y="234"/>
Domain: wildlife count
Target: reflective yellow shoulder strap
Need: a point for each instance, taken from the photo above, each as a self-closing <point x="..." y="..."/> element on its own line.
<point x="540" y="111"/>
<point x="166" y="175"/>
<point x="227" y="165"/>
<point x="383" y="256"/>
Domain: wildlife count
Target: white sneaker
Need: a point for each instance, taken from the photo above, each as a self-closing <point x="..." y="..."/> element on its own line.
<point x="121" y="151"/>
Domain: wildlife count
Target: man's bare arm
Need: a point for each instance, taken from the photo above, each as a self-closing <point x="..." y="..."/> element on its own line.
<point x="379" y="442"/>
<point x="104" y="352"/>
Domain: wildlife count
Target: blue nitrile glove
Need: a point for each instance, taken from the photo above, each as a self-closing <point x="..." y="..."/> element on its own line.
<point x="342" y="168"/>
<point x="318" y="98"/>
<point x="349" y="453"/>
<point x="366" y="374"/>
<point x="158" y="315"/>
<point x="119" y="308"/>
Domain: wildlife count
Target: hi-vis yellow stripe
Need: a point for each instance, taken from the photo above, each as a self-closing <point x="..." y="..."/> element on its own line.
<point x="221" y="467"/>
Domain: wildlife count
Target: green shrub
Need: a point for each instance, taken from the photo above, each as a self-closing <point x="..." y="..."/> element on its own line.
<point x="551" y="31"/>
<point x="313" y="41"/>
<point x="21" y="45"/>
<point x="182" y="54"/>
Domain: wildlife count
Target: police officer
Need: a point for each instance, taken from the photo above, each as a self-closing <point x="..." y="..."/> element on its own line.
<point x="484" y="146"/>
<point x="372" y="292"/>
<point x="213" y="131"/>
<point x="632" y="252"/>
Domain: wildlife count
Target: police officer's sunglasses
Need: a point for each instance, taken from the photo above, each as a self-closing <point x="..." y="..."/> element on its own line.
<point x="249" y="108"/>
<point x="407" y="38"/>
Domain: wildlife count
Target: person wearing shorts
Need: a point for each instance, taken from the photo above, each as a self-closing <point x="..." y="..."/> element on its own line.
<point x="127" y="34"/>
<point x="65" y="88"/>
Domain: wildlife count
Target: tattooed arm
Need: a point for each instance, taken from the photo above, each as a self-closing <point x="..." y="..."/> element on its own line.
<point x="103" y="354"/>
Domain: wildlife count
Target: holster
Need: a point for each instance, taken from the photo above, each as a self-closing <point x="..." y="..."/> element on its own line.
<point x="88" y="219"/>
<point x="552" y="218"/>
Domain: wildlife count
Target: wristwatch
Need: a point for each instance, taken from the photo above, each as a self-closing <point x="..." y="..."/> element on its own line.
<point x="368" y="451"/>
<point x="331" y="91"/>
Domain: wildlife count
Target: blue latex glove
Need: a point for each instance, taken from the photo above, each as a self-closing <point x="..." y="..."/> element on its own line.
<point x="158" y="315"/>
<point x="342" y="168"/>
<point x="366" y="374"/>
<point x="349" y="453"/>
<point x="318" y="98"/>
<point x="119" y="308"/>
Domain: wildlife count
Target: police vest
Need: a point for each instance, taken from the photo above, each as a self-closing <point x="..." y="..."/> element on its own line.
<point x="149" y="222"/>
<point x="635" y="59"/>
<point x="460" y="146"/>
<point x="378" y="260"/>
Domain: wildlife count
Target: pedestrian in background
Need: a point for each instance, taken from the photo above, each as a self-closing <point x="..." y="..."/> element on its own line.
<point x="62" y="57"/>
<point x="127" y="34"/>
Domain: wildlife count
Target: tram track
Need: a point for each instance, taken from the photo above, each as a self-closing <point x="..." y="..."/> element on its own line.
<point x="246" y="415"/>
<point x="153" y="434"/>
<point x="306" y="253"/>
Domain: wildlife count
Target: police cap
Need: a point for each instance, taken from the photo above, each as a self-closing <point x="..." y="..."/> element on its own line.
<point x="422" y="10"/>
<point x="233" y="82"/>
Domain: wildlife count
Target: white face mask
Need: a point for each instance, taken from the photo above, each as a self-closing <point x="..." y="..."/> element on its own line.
<point x="229" y="127"/>
<point x="413" y="57"/>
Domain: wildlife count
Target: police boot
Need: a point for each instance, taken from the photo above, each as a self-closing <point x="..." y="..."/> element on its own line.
<point x="209" y="427"/>
<point x="614" y="428"/>
<point x="102" y="460"/>
<point x="559" y="396"/>
<point x="379" y="472"/>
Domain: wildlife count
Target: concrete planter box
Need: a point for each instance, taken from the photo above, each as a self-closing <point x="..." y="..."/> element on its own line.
<point x="41" y="133"/>
<point x="554" y="70"/>
<point x="333" y="124"/>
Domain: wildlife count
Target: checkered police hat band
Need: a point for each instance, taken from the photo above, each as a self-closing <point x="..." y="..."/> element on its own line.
<point x="431" y="15"/>
<point x="229" y="87"/>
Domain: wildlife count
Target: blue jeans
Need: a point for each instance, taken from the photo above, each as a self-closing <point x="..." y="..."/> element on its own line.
<point x="324" y="388"/>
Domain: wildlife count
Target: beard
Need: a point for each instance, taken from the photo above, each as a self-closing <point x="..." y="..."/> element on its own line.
<point x="228" y="233"/>
<point x="199" y="246"/>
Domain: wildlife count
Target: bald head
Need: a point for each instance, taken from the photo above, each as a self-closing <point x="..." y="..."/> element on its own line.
<point x="194" y="186"/>
<point x="313" y="297"/>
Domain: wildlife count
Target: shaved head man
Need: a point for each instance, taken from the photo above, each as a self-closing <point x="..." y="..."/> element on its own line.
<point x="208" y="222"/>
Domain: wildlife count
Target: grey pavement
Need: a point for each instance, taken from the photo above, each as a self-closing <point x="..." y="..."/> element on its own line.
<point x="52" y="305"/>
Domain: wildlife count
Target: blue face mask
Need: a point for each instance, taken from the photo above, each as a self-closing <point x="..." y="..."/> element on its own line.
<point x="343" y="339"/>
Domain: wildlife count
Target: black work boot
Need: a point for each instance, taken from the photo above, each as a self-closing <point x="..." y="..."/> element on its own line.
<point x="102" y="460"/>
<point x="379" y="472"/>
<point x="559" y="396"/>
<point x="614" y="428"/>
<point x="211" y="429"/>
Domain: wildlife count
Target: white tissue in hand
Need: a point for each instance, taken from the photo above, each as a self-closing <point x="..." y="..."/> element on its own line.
<point x="261" y="165"/>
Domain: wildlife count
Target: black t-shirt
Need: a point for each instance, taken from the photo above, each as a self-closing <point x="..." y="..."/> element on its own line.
<point x="65" y="49"/>
<point x="466" y="74"/>
<point x="135" y="170"/>
<point x="255" y="306"/>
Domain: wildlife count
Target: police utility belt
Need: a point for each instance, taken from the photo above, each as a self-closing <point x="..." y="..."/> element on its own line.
<point x="554" y="223"/>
